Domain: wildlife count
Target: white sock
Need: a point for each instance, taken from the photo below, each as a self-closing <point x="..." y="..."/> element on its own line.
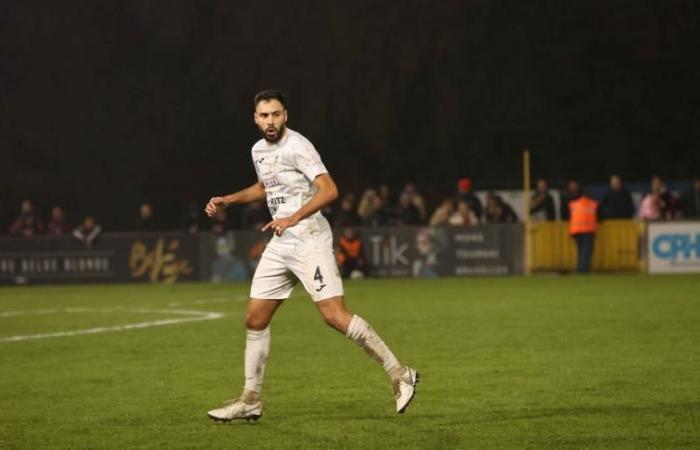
<point x="364" y="335"/>
<point x="257" y="347"/>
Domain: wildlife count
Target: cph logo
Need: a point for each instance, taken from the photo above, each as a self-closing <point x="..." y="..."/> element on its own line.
<point x="675" y="247"/>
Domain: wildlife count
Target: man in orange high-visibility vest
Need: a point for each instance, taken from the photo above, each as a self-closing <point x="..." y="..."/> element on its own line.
<point x="350" y="255"/>
<point x="583" y="224"/>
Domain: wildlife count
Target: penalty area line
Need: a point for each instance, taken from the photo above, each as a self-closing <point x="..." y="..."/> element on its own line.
<point x="193" y="316"/>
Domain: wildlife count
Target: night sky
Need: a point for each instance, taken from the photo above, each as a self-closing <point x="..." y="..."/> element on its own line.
<point x="109" y="103"/>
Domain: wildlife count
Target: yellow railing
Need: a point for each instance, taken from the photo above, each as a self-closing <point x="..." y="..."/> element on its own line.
<point x="617" y="247"/>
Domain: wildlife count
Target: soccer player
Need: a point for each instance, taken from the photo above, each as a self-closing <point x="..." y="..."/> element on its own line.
<point x="296" y="185"/>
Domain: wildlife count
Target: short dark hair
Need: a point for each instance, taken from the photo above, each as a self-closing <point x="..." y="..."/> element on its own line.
<point x="270" y="94"/>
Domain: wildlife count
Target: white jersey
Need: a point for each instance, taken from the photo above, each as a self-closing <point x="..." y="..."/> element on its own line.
<point x="287" y="169"/>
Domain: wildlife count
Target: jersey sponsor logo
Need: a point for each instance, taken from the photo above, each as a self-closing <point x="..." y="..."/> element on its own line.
<point x="276" y="201"/>
<point x="259" y="161"/>
<point x="270" y="182"/>
<point x="274" y="204"/>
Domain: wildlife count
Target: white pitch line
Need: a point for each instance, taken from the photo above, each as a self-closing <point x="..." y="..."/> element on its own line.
<point x="203" y="302"/>
<point x="70" y="309"/>
<point x="26" y="313"/>
<point x="238" y="298"/>
<point x="195" y="317"/>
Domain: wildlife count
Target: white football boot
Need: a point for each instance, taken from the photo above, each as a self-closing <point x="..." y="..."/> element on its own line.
<point x="237" y="409"/>
<point x="405" y="389"/>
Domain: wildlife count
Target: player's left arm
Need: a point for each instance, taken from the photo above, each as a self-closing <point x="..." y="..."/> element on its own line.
<point x="326" y="192"/>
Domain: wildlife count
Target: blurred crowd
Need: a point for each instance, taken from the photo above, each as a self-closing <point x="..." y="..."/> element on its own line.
<point x="379" y="206"/>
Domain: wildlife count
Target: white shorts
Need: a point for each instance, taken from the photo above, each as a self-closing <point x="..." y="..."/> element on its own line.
<point x="284" y="262"/>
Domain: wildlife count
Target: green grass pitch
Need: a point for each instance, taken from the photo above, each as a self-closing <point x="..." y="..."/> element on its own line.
<point x="523" y="362"/>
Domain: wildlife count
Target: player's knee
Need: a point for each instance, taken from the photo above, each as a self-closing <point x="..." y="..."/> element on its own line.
<point x="255" y="322"/>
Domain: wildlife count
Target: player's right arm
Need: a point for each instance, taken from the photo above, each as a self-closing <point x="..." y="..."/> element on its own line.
<point x="250" y="194"/>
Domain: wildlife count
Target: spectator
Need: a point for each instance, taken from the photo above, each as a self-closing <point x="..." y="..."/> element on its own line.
<point x="571" y="192"/>
<point x="385" y="195"/>
<point x="347" y="216"/>
<point x="88" y="231"/>
<point x="58" y="226"/>
<point x="416" y="200"/>
<point x="498" y="211"/>
<point x="542" y="203"/>
<point x="146" y="220"/>
<point x="27" y="224"/>
<point x="583" y="224"/>
<point x="617" y="202"/>
<point x="652" y="204"/>
<point x="381" y="215"/>
<point x="442" y="213"/>
<point x="367" y="204"/>
<point x="465" y="194"/>
<point x="691" y="200"/>
<point x="351" y="255"/>
<point x="406" y="211"/>
<point x="667" y="202"/>
<point x="462" y="215"/>
<point x="194" y="219"/>
<point x="255" y="216"/>
<point x="373" y="211"/>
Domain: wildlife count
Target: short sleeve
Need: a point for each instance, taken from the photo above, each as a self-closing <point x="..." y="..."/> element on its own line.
<point x="307" y="160"/>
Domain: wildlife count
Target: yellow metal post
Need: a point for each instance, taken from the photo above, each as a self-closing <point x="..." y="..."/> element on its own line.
<point x="526" y="197"/>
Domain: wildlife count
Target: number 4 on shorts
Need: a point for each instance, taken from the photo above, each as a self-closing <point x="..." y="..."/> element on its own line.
<point x="318" y="277"/>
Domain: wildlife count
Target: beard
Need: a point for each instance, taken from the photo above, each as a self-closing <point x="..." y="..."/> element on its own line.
<point x="270" y="136"/>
